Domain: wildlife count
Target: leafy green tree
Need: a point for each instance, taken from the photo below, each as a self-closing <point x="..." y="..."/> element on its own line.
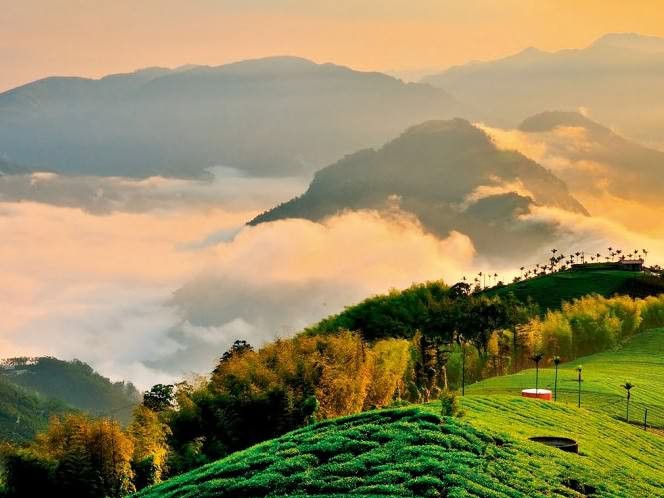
<point x="159" y="398"/>
<point x="149" y="435"/>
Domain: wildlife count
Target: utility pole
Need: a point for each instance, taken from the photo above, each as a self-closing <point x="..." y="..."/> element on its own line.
<point x="579" y="369"/>
<point x="463" y="369"/>
<point x="556" y="362"/>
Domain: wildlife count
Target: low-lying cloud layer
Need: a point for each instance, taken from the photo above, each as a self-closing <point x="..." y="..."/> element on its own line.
<point x="166" y="276"/>
<point x="104" y="195"/>
<point x="152" y="295"/>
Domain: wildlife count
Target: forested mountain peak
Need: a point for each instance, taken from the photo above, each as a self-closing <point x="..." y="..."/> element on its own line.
<point x="449" y="173"/>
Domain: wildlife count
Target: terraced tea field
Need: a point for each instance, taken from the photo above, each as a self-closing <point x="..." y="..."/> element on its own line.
<point x="640" y="362"/>
<point x="413" y="452"/>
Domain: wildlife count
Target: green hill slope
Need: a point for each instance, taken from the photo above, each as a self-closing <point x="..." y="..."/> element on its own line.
<point x="640" y="362"/>
<point x="412" y="452"/>
<point x="549" y="291"/>
<point x="627" y="459"/>
<point x="23" y="414"/>
<point x="73" y="383"/>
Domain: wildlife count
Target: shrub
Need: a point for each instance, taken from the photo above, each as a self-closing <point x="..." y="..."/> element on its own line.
<point x="449" y="403"/>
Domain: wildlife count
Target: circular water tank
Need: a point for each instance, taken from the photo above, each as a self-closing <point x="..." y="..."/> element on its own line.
<point x="562" y="443"/>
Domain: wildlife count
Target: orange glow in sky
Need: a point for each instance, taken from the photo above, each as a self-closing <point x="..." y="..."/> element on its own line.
<point x="93" y="38"/>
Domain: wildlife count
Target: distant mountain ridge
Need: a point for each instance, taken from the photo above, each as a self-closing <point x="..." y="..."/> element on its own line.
<point x="73" y="384"/>
<point x="628" y="169"/>
<point x="449" y="174"/>
<point x="619" y="78"/>
<point x="9" y="168"/>
<point x="273" y="116"/>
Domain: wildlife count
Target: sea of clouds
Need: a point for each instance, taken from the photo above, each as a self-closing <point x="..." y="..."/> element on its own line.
<point x="150" y="280"/>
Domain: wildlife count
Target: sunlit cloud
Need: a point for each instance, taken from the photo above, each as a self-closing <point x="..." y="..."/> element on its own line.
<point x="139" y="296"/>
<point x="617" y="192"/>
<point x="150" y="291"/>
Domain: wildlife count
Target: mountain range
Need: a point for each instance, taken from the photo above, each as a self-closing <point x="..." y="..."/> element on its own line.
<point x="600" y="159"/>
<point x="619" y="79"/>
<point x="274" y="116"/>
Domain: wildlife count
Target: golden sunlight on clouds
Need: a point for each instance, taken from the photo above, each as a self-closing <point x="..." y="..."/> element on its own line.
<point x="639" y="208"/>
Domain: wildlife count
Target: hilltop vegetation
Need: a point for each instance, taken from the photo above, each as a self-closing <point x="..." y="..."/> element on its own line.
<point x="451" y="176"/>
<point x="551" y="290"/>
<point x="73" y="383"/>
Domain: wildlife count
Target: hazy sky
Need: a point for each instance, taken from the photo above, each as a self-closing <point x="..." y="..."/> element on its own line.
<point x="97" y="37"/>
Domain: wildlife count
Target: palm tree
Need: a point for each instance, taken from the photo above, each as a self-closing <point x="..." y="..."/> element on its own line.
<point x="556" y="362"/>
<point x="537" y="357"/>
<point x="628" y="387"/>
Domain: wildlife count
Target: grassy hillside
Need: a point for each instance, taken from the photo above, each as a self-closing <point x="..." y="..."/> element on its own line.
<point x="640" y="362"/>
<point x="549" y="291"/>
<point x="412" y="452"/>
